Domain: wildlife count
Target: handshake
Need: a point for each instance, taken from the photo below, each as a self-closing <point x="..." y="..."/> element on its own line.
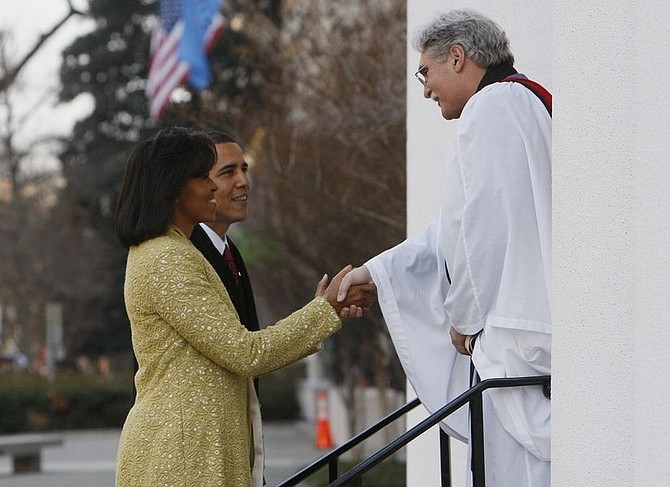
<point x="351" y="292"/>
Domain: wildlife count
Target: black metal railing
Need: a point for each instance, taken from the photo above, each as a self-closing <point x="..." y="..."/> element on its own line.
<point x="332" y="457"/>
<point x="354" y="477"/>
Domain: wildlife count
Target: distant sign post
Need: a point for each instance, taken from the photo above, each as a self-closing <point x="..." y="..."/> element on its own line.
<point x="54" y="329"/>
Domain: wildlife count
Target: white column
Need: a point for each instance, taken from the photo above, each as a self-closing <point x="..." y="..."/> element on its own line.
<point x="611" y="244"/>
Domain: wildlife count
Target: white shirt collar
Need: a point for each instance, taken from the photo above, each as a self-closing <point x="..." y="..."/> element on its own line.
<point x="219" y="243"/>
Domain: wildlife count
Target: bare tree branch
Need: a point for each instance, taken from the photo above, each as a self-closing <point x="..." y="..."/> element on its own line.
<point x="11" y="74"/>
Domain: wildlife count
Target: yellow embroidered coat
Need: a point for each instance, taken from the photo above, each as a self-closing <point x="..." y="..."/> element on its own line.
<point x="190" y="425"/>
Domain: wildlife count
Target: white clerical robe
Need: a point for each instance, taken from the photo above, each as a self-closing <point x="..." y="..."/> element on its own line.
<point x="493" y="236"/>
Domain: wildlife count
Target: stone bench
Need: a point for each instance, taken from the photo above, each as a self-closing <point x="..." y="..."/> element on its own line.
<point x="26" y="449"/>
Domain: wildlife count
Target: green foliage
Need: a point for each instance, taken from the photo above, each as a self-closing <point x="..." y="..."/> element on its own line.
<point x="31" y="402"/>
<point x="277" y="394"/>
<point x="256" y="245"/>
<point x="24" y="403"/>
<point x="71" y="401"/>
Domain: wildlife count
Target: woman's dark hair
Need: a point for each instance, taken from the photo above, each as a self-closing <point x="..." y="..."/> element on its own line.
<point x="156" y="172"/>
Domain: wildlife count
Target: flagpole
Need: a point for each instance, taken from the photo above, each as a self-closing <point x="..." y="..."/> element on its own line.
<point x="196" y="102"/>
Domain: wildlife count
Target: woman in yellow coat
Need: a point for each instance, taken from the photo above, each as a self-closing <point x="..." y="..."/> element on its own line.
<point x="195" y="421"/>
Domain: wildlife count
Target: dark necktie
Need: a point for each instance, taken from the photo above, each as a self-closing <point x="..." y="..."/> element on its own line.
<point x="228" y="255"/>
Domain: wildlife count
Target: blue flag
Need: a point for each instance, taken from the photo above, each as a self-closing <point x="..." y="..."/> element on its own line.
<point x="185" y="32"/>
<point x="198" y="17"/>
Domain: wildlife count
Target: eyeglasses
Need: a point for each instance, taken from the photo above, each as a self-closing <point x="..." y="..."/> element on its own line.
<point x="421" y="74"/>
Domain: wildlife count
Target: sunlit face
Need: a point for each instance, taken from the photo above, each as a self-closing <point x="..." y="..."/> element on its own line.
<point x="230" y="175"/>
<point x="444" y="85"/>
<point x="196" y="203"/>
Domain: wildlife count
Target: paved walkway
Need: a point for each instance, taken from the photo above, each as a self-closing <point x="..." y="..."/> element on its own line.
<point x="87" y="458"/>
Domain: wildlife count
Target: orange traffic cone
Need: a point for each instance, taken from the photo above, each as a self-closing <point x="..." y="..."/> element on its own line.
<point x="323" y="438"/>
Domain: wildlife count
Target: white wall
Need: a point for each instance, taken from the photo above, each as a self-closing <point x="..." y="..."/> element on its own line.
<point x="429" y="145"/>
<point x="607" y="64"/>
<point x="611" y="244"/>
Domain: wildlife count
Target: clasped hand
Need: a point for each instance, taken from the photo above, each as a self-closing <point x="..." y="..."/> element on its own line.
<point x="351" y="302"/>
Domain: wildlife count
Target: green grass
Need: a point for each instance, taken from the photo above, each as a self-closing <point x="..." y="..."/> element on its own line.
<point x="389" y="473"/>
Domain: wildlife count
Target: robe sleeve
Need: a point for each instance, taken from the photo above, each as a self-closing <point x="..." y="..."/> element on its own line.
<point x="411" y="286"/>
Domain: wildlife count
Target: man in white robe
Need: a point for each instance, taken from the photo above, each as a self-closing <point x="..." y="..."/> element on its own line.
<point x="475" y="284"/>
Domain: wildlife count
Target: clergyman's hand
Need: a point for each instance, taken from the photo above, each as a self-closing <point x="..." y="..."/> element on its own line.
<point x="458" y="341"/>
<point x="353" y="307"/>
<point x="357" y="288"/>
<point x="359" y="275"/>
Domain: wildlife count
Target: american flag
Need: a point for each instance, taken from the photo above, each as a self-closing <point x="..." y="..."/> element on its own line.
<point x="186" y="30"/>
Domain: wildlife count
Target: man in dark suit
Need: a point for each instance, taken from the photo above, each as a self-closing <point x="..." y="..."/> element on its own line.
<point x="230" y="175"/>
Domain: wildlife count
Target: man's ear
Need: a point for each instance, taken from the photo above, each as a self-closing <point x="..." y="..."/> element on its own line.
<point x="457" y="58"/>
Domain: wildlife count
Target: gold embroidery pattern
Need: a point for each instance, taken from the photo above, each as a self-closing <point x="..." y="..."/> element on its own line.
<point x="190" y="425"/>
